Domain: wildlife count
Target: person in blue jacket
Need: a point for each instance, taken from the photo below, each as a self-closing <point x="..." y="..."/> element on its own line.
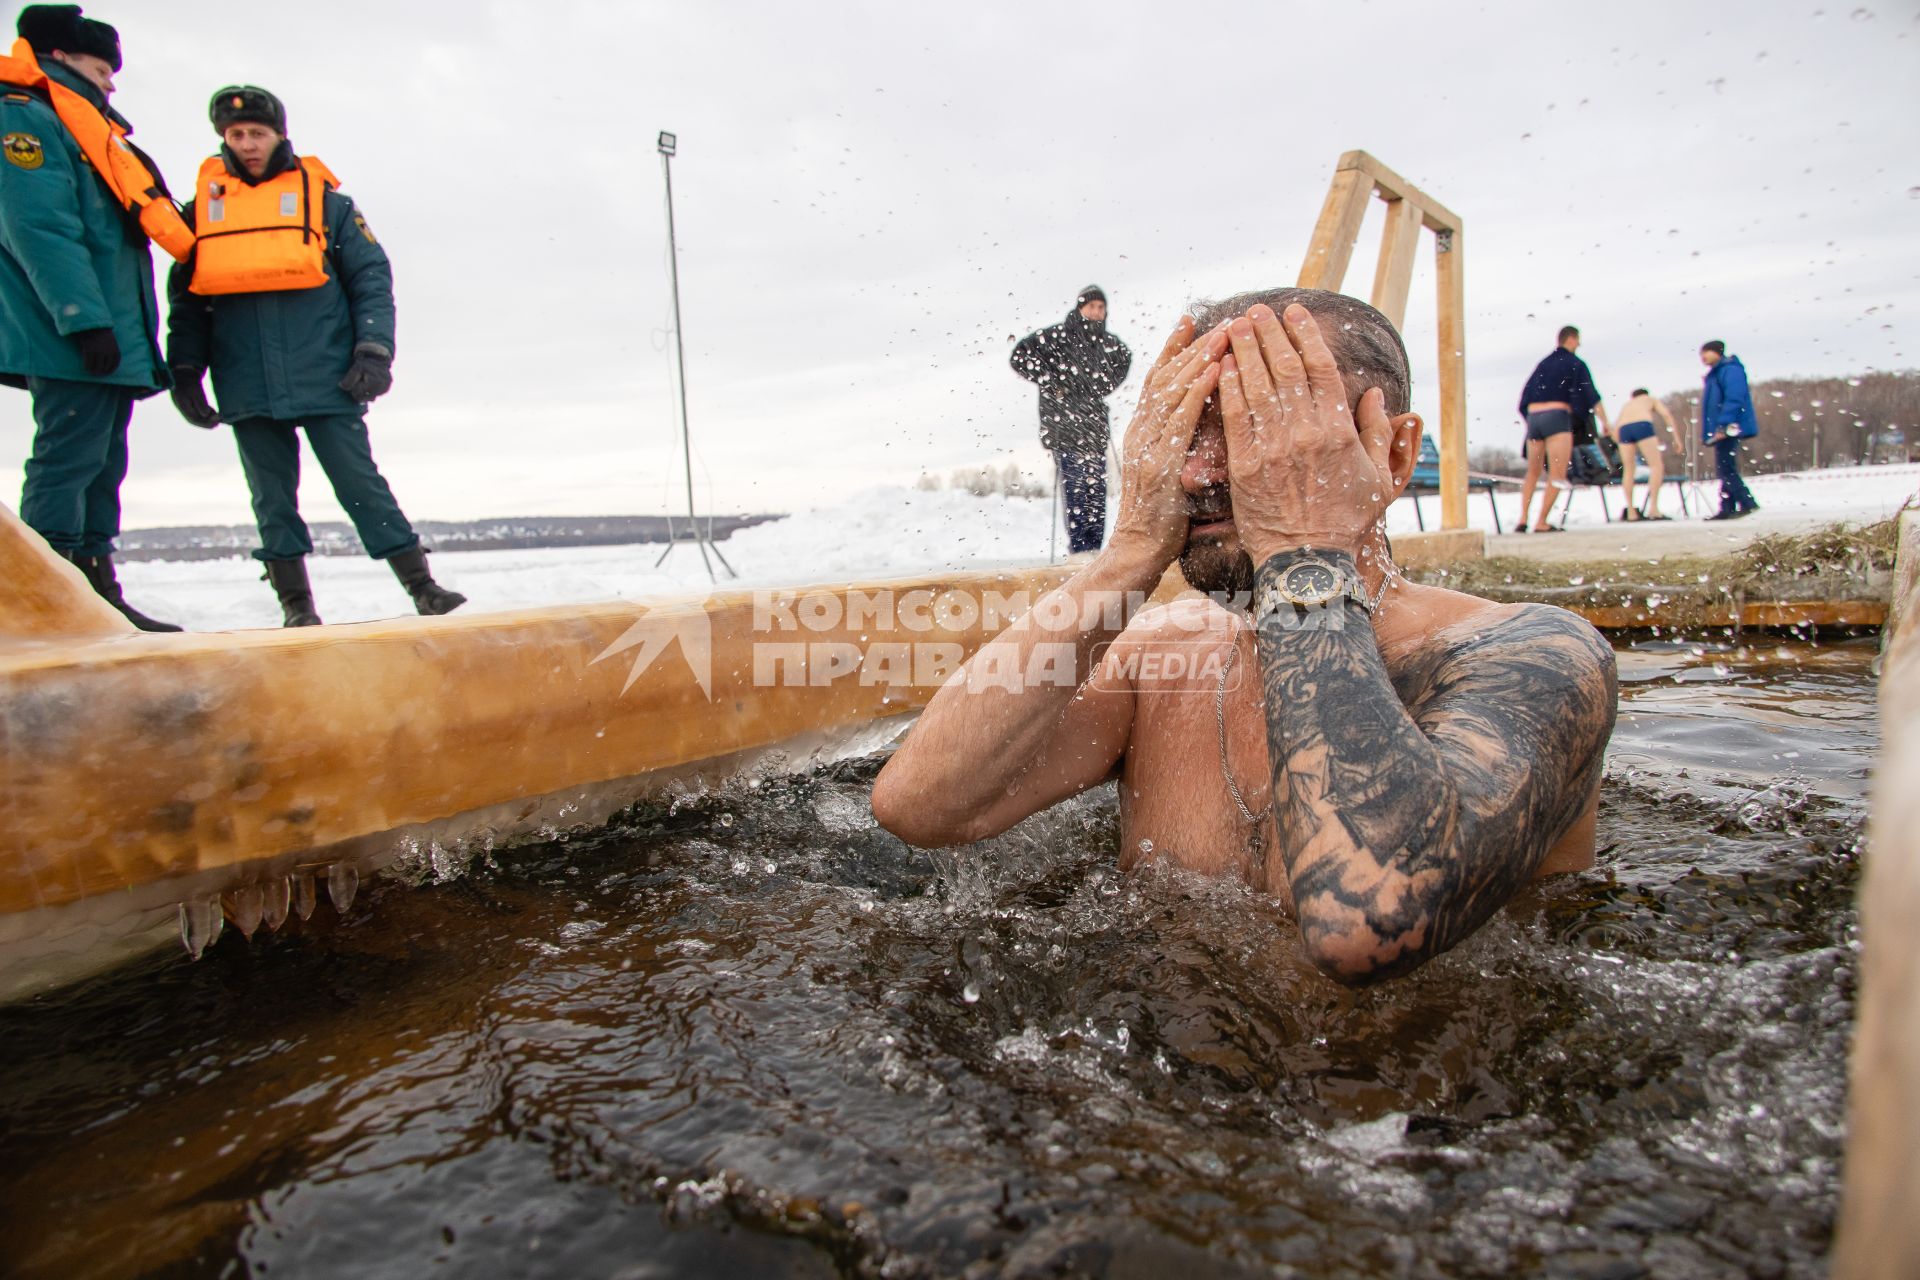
<point x="78" y="318"/>
<point x="295" y="337"/>
<point x="1727" y="418"/>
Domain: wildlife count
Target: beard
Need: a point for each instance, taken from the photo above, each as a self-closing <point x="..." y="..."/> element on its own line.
<point x="1211" y="567"/>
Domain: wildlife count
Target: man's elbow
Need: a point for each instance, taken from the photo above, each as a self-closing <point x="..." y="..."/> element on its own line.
<point x="899" y="811"/>
<point x="1348" y="964"/>
<point x="1355" y="952"/>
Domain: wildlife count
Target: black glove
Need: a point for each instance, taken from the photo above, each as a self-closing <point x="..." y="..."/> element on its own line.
<point x="99" y="353"/>
<point x="370" y="376"/>
<point x="190" y="399"/>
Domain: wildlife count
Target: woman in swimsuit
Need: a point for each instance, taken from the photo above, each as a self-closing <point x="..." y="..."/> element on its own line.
<point x="1635" y="433"/>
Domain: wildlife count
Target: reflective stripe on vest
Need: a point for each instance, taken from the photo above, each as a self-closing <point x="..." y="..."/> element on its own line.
<point x="264" y="238"/>
<point x="104" y="144"/>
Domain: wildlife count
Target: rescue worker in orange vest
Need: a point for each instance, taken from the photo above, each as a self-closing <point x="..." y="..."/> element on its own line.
<point x="78" y="319"/>
<point x="288" y="300"/>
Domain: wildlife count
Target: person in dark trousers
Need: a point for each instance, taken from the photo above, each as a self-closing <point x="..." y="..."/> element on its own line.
<point x="288" y="299"/>
<point x="1556" y="404"/>
<point x="1727" y="418"/>
<point x="1077" y="364"/>
<point x="78" y="317"/>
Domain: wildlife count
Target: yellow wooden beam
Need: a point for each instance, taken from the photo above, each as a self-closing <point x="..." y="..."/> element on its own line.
<point x="42" y="596"/>
<point x="1450" y="277"/>
<point x="1393" y="276"/>
<point x="1331" y="248"/>
<point x="129" y="761"/>
<point x="1436" y="216"/>
<point x="1879" y="1230"/>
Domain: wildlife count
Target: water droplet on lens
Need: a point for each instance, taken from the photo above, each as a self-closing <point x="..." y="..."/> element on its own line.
<point x="726" y="819"/>
<point x="970" y="993"/>
<point x="1146" y="846"/>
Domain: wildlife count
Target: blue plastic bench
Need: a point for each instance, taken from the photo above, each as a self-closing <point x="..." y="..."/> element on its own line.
<point x="1426" y="479"/>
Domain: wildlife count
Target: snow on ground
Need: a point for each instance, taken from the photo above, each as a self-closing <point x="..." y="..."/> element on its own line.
<point x="881" y="533"/>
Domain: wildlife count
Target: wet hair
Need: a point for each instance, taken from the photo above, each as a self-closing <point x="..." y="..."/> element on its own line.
<point x="1640" y="391"/>
<point x="1365" y="344"/>
<point x="1567" y="331"/>
<point x="1718" y="347"/>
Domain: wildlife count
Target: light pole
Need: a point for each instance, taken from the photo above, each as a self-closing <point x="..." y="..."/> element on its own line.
<point x="669" y="144"/>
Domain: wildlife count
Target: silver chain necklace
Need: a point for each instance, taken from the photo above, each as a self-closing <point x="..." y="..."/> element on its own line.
<point x="1257" y="844"/>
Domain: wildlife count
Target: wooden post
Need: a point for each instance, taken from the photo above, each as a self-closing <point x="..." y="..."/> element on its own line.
<point x="1357" y="178"/>
<point x="1393" y="277"/>
<point x="1345" y="209"/>
<point x="1450" y="265"/>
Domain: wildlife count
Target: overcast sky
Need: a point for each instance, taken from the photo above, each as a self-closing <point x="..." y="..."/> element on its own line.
<point x="873" y="201"/>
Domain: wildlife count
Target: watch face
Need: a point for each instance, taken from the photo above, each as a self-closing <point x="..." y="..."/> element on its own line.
<point x="1311" y="583"/>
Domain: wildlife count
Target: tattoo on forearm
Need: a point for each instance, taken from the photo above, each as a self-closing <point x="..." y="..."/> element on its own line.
<point x="1403" y="828"/>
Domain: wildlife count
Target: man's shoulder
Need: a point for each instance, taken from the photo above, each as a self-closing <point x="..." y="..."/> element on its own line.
<point x="20" y="104"/>
<point x="1545" y="647"/>
<point x="29" y="129"/>
<point x="1186" y="617"/>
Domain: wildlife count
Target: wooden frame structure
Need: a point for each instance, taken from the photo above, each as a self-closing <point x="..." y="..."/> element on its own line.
<point x="1357" y="179"/>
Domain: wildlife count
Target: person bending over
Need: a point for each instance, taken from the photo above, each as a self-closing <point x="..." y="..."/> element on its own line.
<point x="1634" y="432"/>
<point x="1391" y="761"/>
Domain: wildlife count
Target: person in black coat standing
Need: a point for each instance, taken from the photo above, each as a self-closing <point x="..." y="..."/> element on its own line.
<point x="1077" y="364"/>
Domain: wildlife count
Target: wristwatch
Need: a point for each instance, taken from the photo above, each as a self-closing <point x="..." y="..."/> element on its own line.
<point x="1300" y="586"/>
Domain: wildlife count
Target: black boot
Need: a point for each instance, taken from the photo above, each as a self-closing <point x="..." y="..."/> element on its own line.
<point x="99" y="574"/>
<point x="429" y="597"/>
<point x="289" y="579"/>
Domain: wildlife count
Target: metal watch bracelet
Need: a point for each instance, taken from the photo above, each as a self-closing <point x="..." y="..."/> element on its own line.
<point x="1307" y="589"/>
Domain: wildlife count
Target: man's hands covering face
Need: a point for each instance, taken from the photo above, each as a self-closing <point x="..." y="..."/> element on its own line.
<point x="1301" y="473"/>
<point x="1153" y="506"/>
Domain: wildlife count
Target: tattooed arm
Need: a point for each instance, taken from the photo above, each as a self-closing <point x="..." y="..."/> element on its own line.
<point x="1403" y="830"/>
<point x="1400" y="830"/>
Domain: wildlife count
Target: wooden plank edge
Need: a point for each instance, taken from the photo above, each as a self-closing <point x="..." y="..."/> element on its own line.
<point x="1879" y="1228"/>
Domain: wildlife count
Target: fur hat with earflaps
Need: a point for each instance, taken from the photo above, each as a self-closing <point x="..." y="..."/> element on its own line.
<point x="50" y="27"/>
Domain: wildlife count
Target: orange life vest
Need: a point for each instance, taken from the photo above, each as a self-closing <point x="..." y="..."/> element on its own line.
<point x="104" y="143"/>
<point x="264" y="238"/>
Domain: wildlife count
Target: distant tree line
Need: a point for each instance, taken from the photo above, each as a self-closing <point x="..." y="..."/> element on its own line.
<point x="1821" y="422"/>
<point x="987" y="480"/>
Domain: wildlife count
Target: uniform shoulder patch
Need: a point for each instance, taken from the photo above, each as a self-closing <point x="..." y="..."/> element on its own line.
<point x="23" y="150"/>
<point x="360" y="221"/>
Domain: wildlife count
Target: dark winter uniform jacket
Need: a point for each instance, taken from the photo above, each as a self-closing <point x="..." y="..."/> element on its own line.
<point x="282" y="354"/>
<point x="1726" y="402"/>
<point x="70" y="258"/>
<point x="1076" y="364"/>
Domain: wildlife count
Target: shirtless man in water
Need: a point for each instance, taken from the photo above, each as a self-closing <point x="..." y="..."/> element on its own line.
<point x="1391" y="761"/>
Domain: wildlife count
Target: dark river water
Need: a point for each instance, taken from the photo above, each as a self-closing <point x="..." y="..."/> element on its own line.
<point x="751" y="1034"/>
